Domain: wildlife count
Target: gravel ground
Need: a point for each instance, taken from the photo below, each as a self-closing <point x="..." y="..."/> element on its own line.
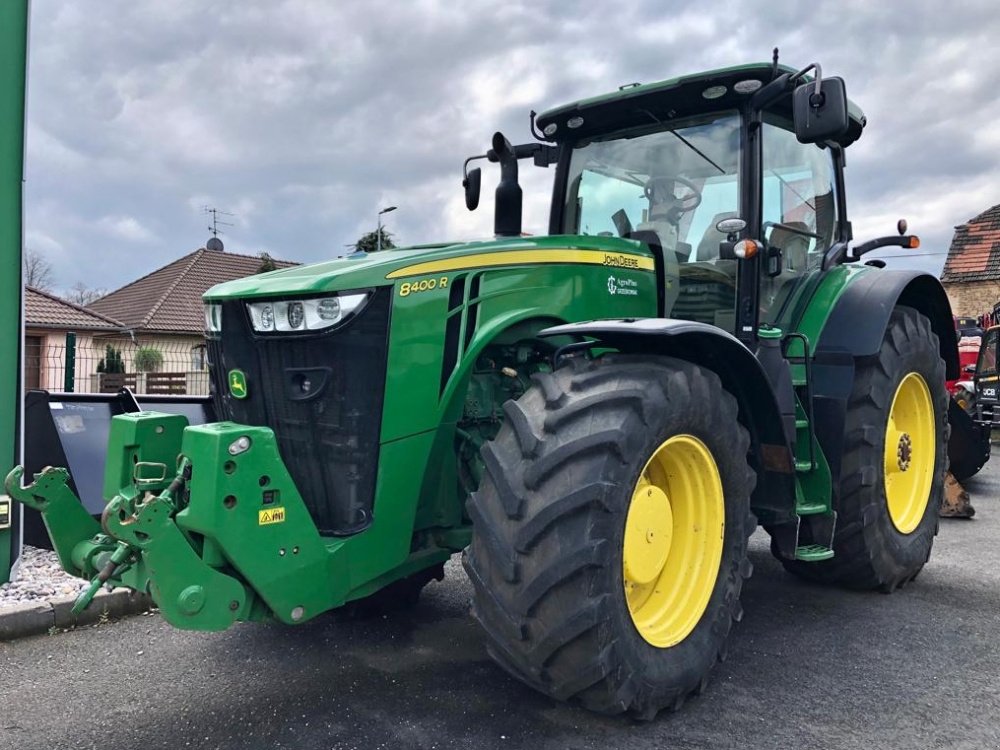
<point x="39" y="578"/>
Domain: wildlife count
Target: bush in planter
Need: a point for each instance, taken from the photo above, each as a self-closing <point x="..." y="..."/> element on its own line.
<point x="112" y="361"/>
<point x="148" y="359"/>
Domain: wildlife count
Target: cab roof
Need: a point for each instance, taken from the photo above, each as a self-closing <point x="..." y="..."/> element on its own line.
<point x="644" y="104"/>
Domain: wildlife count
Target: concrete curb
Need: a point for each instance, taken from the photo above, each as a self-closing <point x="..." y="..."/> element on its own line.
<point x="38" y="617"/>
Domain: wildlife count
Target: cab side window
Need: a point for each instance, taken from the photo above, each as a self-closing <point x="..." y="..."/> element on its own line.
<point x="799" y="210"/>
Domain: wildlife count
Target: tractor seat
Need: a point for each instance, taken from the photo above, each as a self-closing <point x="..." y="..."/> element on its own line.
<point x="667" y="274"/>
<point x="794" y="246"/>
<point x="794" y="265"/>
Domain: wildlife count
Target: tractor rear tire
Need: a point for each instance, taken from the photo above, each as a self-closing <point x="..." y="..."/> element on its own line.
<point x="897" y="417"/>
<point x="607" y="479"/>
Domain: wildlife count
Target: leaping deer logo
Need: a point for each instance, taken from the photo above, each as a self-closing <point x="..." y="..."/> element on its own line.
<point x="237" y="383"/>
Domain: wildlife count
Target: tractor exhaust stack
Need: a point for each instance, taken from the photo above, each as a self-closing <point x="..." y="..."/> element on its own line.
<point x="507" y="213"/>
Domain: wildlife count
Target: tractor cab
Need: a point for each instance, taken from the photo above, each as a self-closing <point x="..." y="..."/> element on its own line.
<point x="669" y="187"/>
<point x="987" y="379"/>
<point x="692" y="166"/>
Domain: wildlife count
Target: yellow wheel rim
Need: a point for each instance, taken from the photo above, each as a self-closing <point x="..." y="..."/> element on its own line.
<point x="672" y="548"/>
<point x="910" y="451"/>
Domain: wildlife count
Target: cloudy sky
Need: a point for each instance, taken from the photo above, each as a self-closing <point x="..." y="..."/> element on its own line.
<point x="304" y="117"/>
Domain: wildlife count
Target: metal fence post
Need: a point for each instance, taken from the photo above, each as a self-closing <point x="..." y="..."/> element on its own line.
<point x="70" y="376"/>
<point x="13" y="57"/>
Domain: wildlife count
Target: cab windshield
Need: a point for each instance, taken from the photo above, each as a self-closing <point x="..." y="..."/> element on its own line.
<point x="988" y="354"/>
<point x="667" y="186"/>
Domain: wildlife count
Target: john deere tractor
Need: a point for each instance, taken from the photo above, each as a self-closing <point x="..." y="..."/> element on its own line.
<point x="597" y="419"/>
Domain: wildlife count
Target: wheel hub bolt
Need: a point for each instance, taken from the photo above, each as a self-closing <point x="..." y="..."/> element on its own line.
<point x="904" y="451"/>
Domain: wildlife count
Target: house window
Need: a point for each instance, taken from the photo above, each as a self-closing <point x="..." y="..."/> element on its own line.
<point x="199" y="358"/>
<point x="32" y="362"/>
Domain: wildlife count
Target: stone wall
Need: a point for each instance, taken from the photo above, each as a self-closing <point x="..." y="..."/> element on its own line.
<point x="972" y="298"/>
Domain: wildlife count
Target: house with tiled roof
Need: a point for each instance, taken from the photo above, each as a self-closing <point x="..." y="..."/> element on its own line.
<point x="49" y="320"/>
<point x="971" y="275"/>
<point x="168" y="300"/>
<point x="162" y="315"/>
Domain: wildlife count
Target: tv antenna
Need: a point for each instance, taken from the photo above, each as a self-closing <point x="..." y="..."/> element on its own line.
<point x="216" y="221"/>
<point x="214" y="243"/>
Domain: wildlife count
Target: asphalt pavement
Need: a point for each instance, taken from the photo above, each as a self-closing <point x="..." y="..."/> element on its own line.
<point x="809" y="667"/>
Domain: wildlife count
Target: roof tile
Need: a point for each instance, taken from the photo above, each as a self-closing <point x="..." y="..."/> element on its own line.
<point x="974" y="254"/>
<point x="168" y="300"/>
<point x="44" y="310"/>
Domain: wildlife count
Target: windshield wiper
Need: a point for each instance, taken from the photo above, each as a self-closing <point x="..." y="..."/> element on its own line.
<point x="685" y="141"/>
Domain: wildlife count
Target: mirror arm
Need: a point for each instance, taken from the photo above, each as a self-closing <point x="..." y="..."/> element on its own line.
<point x="766" y="94"/>
<point x="542" y="154"/>
<point x="783" y="83"/>
<point x="819" y="76"/>
<point x="465" y="166"/>
<point x="546" y="155"/>
<point x="795" y="230"/>
<point x="906" y="240"/>
<point x="816" y="100"/>
<point x="834" y="256"/>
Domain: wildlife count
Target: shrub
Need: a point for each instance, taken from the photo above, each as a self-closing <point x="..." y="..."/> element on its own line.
<point x="111" y="362"/>
<point x="148" y="359"/>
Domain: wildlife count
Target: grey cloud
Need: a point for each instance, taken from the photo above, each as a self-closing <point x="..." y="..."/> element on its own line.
<point x="306" y="116"/>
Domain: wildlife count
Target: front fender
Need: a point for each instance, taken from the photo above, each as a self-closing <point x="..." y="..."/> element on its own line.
<point x="854" y="330"/>
<point x="773" y="500"/>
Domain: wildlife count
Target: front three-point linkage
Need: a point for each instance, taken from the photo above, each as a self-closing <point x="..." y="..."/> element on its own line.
<point x="130" y="519"/>
<point x="76" y="537"/>
<point x="109" y="553"/>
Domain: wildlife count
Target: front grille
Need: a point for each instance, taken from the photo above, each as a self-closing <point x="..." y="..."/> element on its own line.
<point x="322" y="395"/>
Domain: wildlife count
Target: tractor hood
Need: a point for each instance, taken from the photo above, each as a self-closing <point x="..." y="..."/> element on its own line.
<point x="383" y="268"/>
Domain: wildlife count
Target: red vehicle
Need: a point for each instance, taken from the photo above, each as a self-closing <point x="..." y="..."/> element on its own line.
<point x="969" y="445"/>
<point x="968" y="355"/>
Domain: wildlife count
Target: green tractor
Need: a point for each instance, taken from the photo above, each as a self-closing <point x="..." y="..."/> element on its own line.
<point x="598" y="419"/>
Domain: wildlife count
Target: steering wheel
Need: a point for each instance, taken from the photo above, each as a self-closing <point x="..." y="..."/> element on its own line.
<point x="658" y="185"/>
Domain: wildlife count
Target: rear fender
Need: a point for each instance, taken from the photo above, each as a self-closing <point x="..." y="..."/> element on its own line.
<point x="773" y="499"/>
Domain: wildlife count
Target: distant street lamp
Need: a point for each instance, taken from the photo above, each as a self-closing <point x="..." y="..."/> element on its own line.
<point x="378" y="233"/>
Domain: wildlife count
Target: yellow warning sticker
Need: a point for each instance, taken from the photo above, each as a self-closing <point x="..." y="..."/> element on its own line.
<point x="270" y="515"/>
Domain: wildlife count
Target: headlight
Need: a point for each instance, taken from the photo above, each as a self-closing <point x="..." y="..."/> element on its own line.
<point x="213" y="317"/>
<point x="295" y="315"/>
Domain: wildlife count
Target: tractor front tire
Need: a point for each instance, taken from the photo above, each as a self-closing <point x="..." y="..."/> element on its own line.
<point x="399" y="596"/>
<point x="894" y="463"/>
<point x="610" y="532"/>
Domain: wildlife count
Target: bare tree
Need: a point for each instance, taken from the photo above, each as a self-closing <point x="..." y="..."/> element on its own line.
<point x="83" y="295"/>
<point x="38" y="271"/>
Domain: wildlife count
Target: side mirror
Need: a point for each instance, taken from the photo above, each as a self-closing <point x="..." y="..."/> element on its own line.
<point x="472" y="183"/>
<point x="775" y="262"/>
<point x="622" y="223"/>
<point x="730" y="228"/>
<point x="820" y="112"/>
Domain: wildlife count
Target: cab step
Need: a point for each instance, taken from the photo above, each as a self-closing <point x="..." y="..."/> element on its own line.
<point x="813" y="553"/>
<point x="809" y="509"/>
